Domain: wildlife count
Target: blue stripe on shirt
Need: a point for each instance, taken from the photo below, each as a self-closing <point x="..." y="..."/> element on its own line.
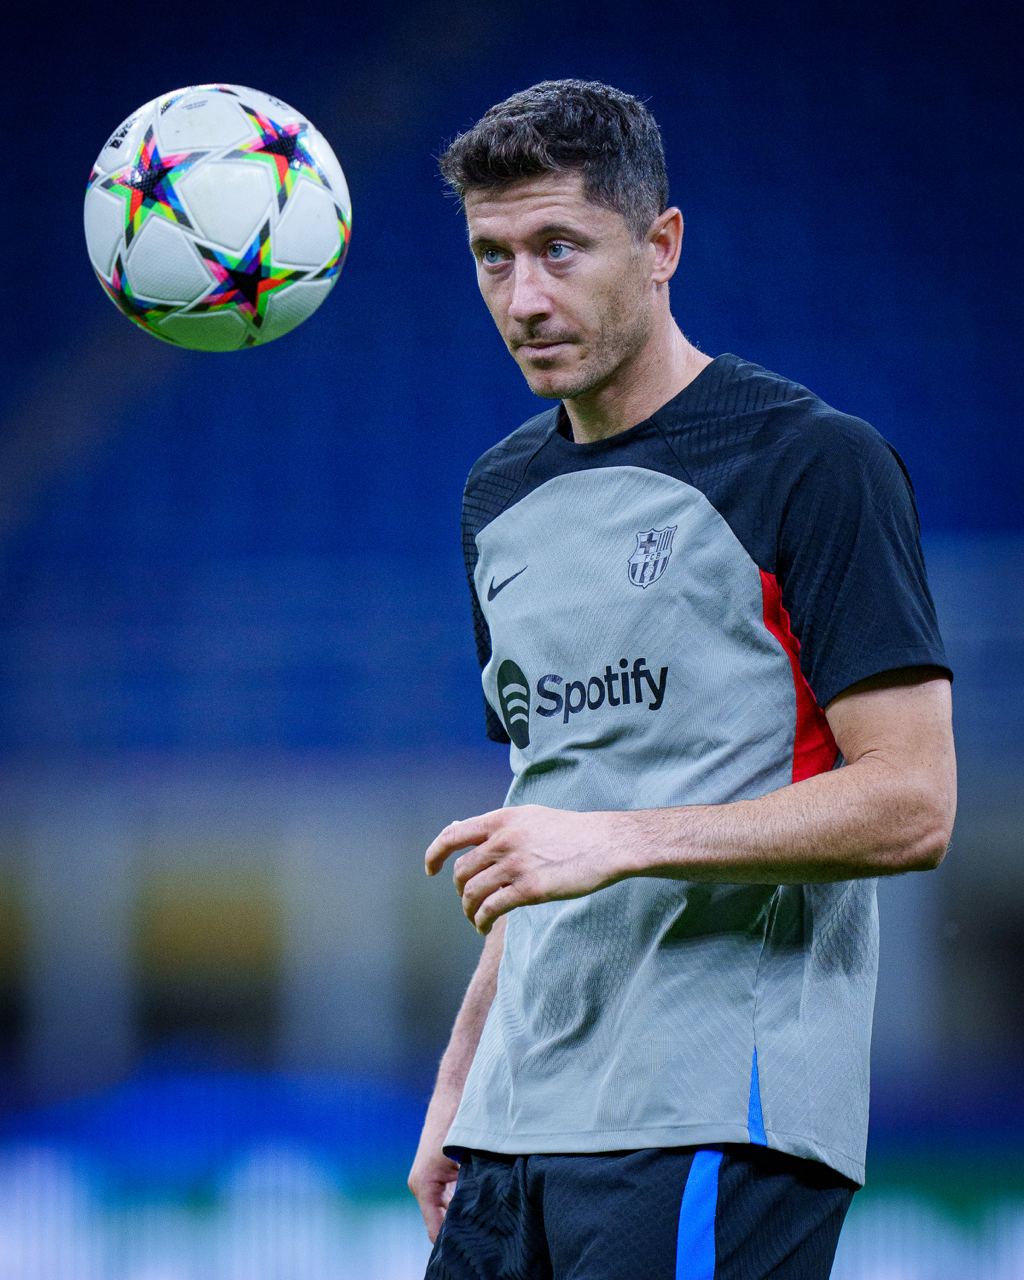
<point x="755" y="1120"/>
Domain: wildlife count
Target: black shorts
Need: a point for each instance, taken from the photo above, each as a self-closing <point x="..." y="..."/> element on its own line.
<point x="678" y="1213"/>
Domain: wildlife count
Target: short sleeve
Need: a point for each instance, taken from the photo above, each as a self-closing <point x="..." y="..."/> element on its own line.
<point x="493" y="726"/>
<point x="850" y="564"/>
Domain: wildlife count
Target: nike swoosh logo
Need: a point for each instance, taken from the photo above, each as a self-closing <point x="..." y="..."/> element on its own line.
<point x="493" y="590"/>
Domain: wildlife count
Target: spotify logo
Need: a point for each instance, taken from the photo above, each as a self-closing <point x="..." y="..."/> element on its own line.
<point x="623" y="688"/>
<point x="514" y="696"/>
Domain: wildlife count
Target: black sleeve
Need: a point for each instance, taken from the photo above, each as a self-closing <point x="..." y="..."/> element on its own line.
<point x="493" y="726"/>
<point x="490" y="487"/>
<point x="850" y="564"/>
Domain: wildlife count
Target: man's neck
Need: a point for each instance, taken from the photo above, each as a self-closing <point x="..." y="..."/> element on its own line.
<point x="659" y="371"/>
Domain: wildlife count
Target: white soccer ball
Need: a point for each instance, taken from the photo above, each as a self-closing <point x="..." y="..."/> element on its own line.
<point x="217" y="217"/>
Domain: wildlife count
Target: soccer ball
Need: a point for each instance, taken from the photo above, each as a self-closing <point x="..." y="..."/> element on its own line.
<point x="217" y="217"/>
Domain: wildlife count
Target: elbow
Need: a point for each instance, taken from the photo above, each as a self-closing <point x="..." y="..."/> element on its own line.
<point x="929" y="854"/>
<point x="927" y="839"/>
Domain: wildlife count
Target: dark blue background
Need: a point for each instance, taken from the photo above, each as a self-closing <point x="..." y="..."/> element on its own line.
<point x="260" y="549"/>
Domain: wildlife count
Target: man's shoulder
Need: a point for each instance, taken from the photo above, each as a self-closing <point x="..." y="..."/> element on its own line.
<point x="513" y="453"/>
<point x="498" y="473"/>
<point x="779" y="415"/>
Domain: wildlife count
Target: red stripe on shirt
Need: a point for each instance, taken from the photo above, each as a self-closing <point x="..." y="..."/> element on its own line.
<point x="814" y="748"/>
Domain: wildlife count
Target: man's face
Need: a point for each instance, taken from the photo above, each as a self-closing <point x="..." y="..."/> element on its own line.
<point x="565" y="282"/>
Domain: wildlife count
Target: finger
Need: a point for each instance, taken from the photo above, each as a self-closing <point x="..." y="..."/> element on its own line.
<point x="456" y="835"/>
<point x="471" y="863"/>
<point x="476" y="888"/>
<point x="434" y="1206"/>
<point x="433" y="1216"/>
<point x="498" y="904"/>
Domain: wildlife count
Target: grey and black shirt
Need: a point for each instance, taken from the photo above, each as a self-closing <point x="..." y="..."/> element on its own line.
<point x="661" y="617"/>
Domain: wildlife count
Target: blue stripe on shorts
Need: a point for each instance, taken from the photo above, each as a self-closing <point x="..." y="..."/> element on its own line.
<point x="695" y="1243"/>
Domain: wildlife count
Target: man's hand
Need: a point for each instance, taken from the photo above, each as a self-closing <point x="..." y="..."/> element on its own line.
<point x="432" y="1176"/>
<point x="527" y="854"/>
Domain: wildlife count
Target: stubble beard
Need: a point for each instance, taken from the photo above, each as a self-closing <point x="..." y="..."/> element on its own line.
<point x="618" y="341"/>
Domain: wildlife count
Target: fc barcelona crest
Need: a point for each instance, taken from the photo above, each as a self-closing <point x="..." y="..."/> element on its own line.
<point x="650" y="559"/>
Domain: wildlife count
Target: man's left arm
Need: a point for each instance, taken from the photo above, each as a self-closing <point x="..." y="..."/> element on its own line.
<point x="889" y="809"/>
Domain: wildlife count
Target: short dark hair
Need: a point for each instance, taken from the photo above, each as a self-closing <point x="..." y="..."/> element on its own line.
<point x="560" y="125"/>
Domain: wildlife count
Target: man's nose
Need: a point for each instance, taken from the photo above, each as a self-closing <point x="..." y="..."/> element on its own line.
<point x="529" y="300"/>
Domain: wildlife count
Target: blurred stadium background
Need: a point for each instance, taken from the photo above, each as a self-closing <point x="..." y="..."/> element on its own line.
<point x="237" y="688"/>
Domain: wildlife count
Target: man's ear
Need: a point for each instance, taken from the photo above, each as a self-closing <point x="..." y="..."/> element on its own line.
<point x="665" y="239"/>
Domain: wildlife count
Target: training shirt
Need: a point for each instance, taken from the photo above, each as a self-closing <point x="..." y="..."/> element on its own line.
<point x="661" y="617"/>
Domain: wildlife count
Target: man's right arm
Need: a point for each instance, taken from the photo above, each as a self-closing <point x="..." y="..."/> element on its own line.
<point x="432" y="1176"/>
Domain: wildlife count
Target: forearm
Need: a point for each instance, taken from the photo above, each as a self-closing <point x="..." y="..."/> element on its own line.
<point x="865" y="819"/>
<point x="432" y="1176"/>
<point x="889" y="809"/>
<point x="467" y="1029"/>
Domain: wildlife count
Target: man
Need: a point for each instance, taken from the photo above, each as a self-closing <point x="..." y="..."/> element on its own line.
<point x="698" y="590"/>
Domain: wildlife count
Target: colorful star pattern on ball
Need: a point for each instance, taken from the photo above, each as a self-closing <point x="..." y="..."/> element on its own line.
<point x="334" y="264"/>
<point x="245" y="281"/>
<point x="284" y="148"/>
<point x="141" y="310"/>
<point x="148" y="185"/>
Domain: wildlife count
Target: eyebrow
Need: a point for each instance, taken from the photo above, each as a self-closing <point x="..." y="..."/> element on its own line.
<point x="550" y="230"/>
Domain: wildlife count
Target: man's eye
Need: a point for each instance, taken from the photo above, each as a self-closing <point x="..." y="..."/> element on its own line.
<point x="558" y="251"/>
<point x="491" y="257"/>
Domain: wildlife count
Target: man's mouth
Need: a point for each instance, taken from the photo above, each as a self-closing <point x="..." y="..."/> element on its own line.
<point x="540" y="346"/>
